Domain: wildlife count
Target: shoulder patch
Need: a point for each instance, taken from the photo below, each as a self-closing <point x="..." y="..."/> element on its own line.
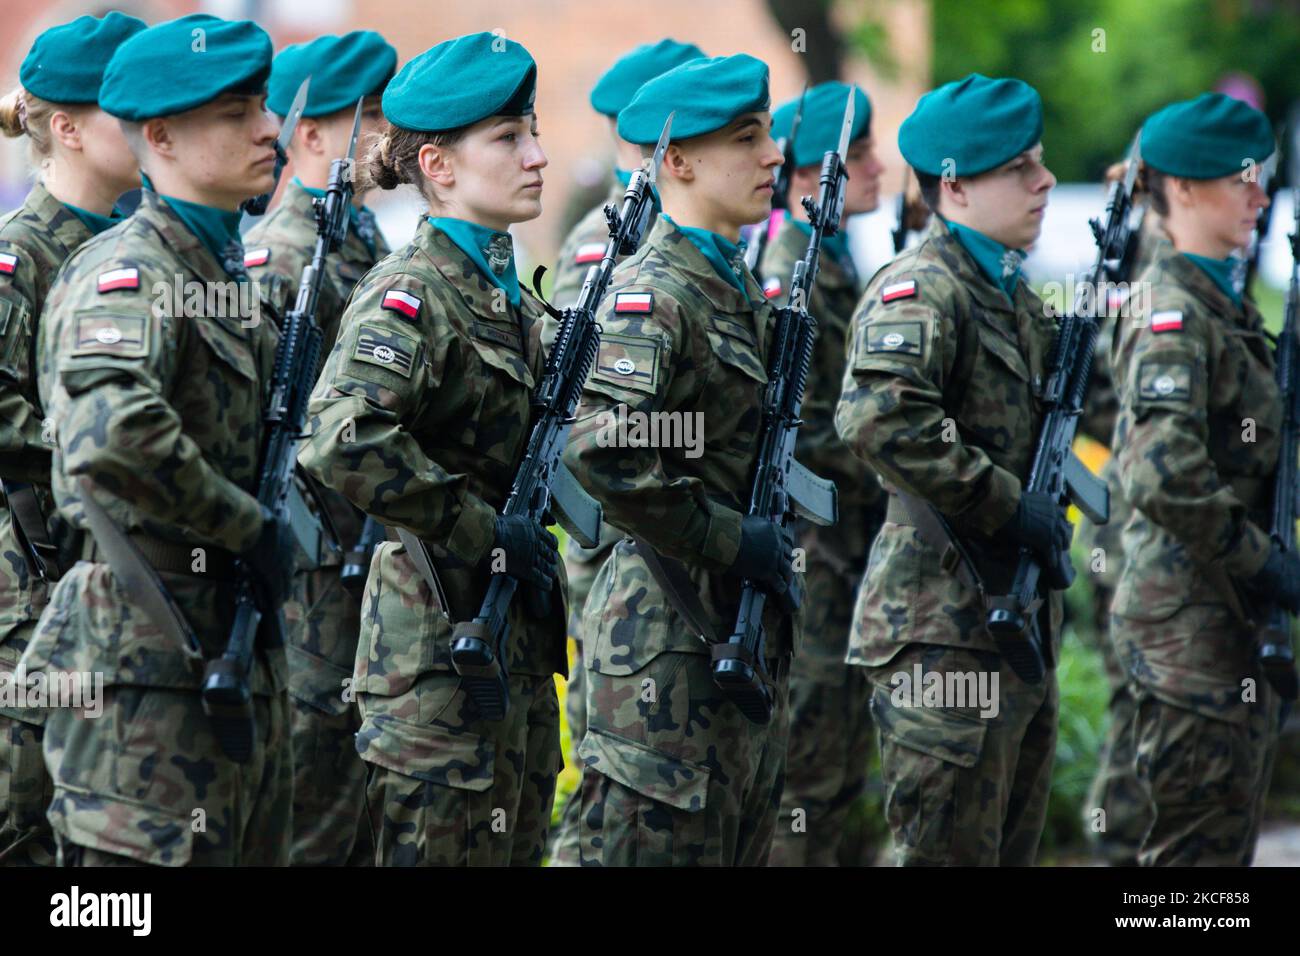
<point x="119" y="279"/>
<point x="387" y="349"/>
<point x="772" y="286"/>
<point x="398" y="301"/>
<point x="103" y="333"/>
<point x="904" y="338"/>
<point x="627" y="361"/>
<point x="643" y="302"/>
<point x="589" y="252"/>
<point x="1165" y="381"/>
<point x="898" y="290"/>
<point x="8" y="263"/>
<point x="257" y="257"/>
<point x="1169" y="321"/>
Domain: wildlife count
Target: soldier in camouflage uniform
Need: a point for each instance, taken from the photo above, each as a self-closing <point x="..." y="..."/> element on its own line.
<point x="830" y="722"/>
<point x="420" y="417"/>
<point x="673" y="772"/>
<point x="85" y="165"/>
<point x="1197" y="441"/>
<point x="941" y="397"/>
<point x="324" y="617"/>
<point x="158" y="414"/>
<point x="582" y="249"/>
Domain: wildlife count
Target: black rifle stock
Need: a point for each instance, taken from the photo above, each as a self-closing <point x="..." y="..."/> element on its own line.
<point x="227" y="698"/>
<point x="1055" y="469"/>
<point x="543" y="484"/>
<point x="781" y="485"/>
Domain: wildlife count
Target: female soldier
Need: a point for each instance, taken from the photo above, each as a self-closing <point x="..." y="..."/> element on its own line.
<point x="420" y="418"/>
<point x="83" y="165"/>
<point x="1197" y="441"/>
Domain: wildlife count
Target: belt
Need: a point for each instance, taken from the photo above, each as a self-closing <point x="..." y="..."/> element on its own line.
<point x="168" y="557"/>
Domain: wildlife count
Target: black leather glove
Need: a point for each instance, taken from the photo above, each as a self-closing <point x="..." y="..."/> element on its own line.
<point x="273" y="559"/>
<point x="1040" y="525"/>
<point x="765" y="554"/>
<point x="1278" y="581"/>
<point x="532" y="553"/>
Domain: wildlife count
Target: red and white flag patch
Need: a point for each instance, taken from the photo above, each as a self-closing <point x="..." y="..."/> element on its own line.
<point x="1171" y="321"/>
<point x="772" y="286"/>
<point x="634" y="302"/>
<point x="256" y="257"/>
<point x="403" y="302"/>
<point x="119" y="279"/>
<point x="8" y="263"/>
<point x="589" y="252"/>
<point x="899" y="290"/>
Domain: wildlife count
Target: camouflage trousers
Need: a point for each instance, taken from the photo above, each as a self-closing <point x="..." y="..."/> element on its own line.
<point x="463" y="791"/>
<point x="147" y="780"/>
<point x="830" y="726"/>
<point x="1204" y="780"/>
<point x="674" y="775"/>
<point x="25" y="786"/>
<point x="962" y="789"/>
<point x="330" y="827"/>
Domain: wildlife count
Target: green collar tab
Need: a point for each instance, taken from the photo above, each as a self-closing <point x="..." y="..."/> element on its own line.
<point x="1228" y="274"/>
<point x="361" y="221"/>
<point x="1000" y="264"/>
<point x="726" y="257"/>
<point x="93" y="220"/>
<point x="217" y="229"/>
<point x="493" y="252"/>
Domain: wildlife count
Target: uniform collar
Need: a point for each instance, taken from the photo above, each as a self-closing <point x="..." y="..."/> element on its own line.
<point x="1228" y="274"/>
<point x="216" y="229"/>
<point x="836" y="267"/>
<point x="361" y="222"/>
<point x="1000" y="264"/>
<point x="726" y="257"/>
<point x="180" y="239"/>
<point x="93" y="220"/>
<point x="1186" y="273"/>
<point x="68" y="231"/>
<point x="991" y="297"/>
<point x="493" y="252"/>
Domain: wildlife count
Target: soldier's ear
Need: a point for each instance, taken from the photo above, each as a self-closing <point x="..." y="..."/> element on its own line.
<point x="954" y="191"/>
<point x="157" y="136"/>
<point x="436" y="165"/>
<point x="308" y="136"/>
<point x="677" y="164"/>
<point x="65" y="130"/>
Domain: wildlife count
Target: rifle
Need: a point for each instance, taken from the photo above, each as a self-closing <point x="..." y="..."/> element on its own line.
<point x="1055" y="469"/>
<point x="255" y="207"/>
<point x="782" y="485"/>
<point x="900" y="231"/>
<point x="227" y="699"/>
<point x="543" y="483"/>
<point x="780" y="193"/>
<point x="356" y="563"/>
<point x="1276" y="652"/>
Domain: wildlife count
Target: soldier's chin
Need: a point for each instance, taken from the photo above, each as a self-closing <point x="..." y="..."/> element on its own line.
<point x="526" y="210"/>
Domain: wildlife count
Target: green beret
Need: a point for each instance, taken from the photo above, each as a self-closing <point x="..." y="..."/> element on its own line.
<point x="615" y="89"/>
<point x="823" y="115"/>
<point x="462" y="81"/>
<point x="182" y="64"/>
<point x="66" y="63"/>
<point x="706" y="94"/>
<point x="976" y="122"/>
<point x="342" y="70"/>
<point x="1205" y="138"/>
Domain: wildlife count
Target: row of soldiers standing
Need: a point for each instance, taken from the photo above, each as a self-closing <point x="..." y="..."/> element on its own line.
<point x="419" y="419"/>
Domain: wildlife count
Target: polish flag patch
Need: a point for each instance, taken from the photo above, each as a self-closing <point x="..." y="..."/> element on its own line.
<point x="634" y="302"/>
<point x="1171" y="321"/>
<point x="403" y="302"/>
<point x="256" y="257"/>
<point x="8" y="264"/>
<point x="772" y="287"/>
<point x="119" y="279"/>
<point x="589" y="252"/>
<point x="899" y="290"/>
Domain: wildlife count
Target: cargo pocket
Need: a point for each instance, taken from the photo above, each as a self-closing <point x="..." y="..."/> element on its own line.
<point x="316" y="682"/>
<point x="652" y="806"/>
<point x="113" y="824"/>
<point x="923" y="752"/>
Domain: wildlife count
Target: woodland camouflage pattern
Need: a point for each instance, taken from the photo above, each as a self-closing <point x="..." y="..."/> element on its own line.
<point x="956" y="350"/>
<point x="830" y="723"/>
<point x="322" y="617"/>
<point x="428" y="436"/>
<point x="673" y="772"/>
<point x="163" y="414"/>
<point x="1197" y="442"/>
<point x="41" y="233"/>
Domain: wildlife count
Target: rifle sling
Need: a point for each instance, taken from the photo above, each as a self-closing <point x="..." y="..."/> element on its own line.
<point x="136" y="577"/>
<point x="673" y="580"/>
<point x="33" y="533"/>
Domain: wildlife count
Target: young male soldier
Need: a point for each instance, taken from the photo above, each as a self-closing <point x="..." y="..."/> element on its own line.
<point x="582" y="249"/>
<point x="830" y="722"/>
<point x="323" y="616"/>
<point x="941" y="397"/>
<point x="674" y="773"/>
<point x="159" y="413"/>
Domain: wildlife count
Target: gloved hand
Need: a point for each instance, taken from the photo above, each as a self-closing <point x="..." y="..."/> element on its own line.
<point x="1278" y="581"/>
<point x="272" y="558"/>
<point x="765" y="554"/>
<point x="532" y="553"/>
<point x="1040" y="525"/>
